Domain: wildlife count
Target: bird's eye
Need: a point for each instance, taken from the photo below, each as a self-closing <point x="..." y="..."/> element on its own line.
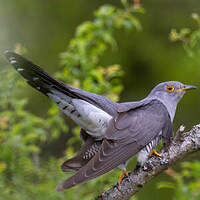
<point x="170" y="88"/>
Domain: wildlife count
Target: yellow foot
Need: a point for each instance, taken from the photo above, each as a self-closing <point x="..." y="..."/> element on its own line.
<point x="153" y="152"/>
<point x="124" y="173"/>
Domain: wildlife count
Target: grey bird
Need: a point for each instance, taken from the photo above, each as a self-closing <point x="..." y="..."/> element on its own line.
<point x="112" y="132"/>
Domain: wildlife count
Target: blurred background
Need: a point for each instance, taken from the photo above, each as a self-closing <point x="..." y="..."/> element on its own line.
<point x="120" y="49"/>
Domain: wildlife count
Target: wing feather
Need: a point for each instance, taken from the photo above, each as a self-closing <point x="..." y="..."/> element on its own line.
<point x="121" y="143"/>
<point x="87" y="151"/>
<point x="100" y="164"/>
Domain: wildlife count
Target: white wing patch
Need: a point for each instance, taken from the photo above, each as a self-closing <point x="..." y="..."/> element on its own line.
<point x="87" y="116"/>
<point x="96" y="119"/>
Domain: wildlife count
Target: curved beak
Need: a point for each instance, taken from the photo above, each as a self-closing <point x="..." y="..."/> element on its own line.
<point x="186" y="87"/>
<point x="189" y="87"/>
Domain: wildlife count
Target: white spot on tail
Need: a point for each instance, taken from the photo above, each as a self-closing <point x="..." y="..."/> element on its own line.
<point x="35" y="78"/>
<point x="13" y="61"/>
<point x="12" y="58"/>
<point x="20" y="69"/>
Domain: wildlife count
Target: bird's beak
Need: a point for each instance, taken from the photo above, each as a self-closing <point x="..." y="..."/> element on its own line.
<point x="189" y="87"/>
<point x="186" y="87"/>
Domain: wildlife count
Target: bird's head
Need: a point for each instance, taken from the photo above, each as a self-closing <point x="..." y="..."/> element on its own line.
<point x="171" y="91"/>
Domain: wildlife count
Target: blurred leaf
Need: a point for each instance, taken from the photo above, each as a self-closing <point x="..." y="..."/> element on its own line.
<point x="166" y="185"/>
<point x="189" y="38"/>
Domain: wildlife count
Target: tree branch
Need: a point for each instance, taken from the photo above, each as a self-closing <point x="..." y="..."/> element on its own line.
<point x="180" y="147"/>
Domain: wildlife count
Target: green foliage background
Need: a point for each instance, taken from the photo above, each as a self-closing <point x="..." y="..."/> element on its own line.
<point x="112" y="48"/>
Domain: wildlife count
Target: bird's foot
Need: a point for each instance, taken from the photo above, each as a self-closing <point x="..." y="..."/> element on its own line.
<point x="123" y="174"/>
<point x="153" y="152"/>
<point x="164" y="161"/>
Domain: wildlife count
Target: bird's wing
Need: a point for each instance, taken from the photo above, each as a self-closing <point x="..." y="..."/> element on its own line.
<point x="45" y="83"/>
<point x="86" y="153"/>
<point x="92" y="146"/>
<point x="127" y="134"/>
<point x="141" y="123"/>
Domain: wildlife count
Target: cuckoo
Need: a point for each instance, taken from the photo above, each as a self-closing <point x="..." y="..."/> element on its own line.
<point x="112" y="132"/>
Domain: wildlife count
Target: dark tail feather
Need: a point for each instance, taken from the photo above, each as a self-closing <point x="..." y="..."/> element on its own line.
<point x="36" y="77"/>
<point x="45" y="83"/>
<point x="73" y="164"/>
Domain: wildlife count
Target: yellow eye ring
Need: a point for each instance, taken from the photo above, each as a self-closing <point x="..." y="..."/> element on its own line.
<point x="170" y="88"/>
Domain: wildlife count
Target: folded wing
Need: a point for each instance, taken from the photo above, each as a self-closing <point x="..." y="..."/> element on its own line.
<point x="127" y="134"/>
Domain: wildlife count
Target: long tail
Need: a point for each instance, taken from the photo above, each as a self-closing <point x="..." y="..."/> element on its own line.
<point x="47" y="84"/>
<point x="38" y="78"/>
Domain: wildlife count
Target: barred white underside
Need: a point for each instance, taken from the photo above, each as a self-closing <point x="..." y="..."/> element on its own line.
<point x="92" y="119"/>
<point x="143" y="155"/>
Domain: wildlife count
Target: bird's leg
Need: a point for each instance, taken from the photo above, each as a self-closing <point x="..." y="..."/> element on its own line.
<point x="153" y="152"/>
<point x="123" y="173"/>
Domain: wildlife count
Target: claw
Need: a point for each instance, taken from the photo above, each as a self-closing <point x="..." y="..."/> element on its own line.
<point x="153" y="152"/>
<point x="124" y="173"/>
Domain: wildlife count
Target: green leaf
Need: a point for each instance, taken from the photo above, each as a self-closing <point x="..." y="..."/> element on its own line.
<point x="168" y="185"/>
